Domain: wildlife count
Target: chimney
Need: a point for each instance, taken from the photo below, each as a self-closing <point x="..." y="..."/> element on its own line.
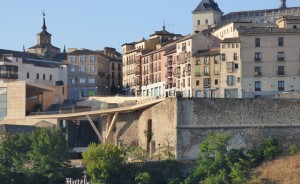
<point x="283" y="4"/>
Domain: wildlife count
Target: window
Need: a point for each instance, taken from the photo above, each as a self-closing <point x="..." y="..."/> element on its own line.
<point x="72" y="69"/>
<point x="216" y="81"/>
<point x="257" y="56"/>
<point x="82" y="69"/>
<point x="198" y="61"/>
<point x="50" y="77"/>
<point x="280" y="56"/>
<point x="82" y="59"/>
<point x="72" y="81"/>
<point x="189" y="81"/>
<point x="216" y="59"/>
<point x="257" y="71"/>
<point x="72" y="59"/>
<point x="229" y="66"/>
<point x="3" y="101"/>
<point x="257" y="42"/>
<point x="206" y="60"/>
<point x="257" y="86"/>
<point x="197" y="82"/>
<point x="206" y="82"/>
<point x="82" y="80"/>
<point x="92" y="80"/>
<point x="206" y="70"/>
<point x="237" y="45"/>
<point x="280" y="41"/>
<point x="92" y="58"/>
<point x="206" y="21"/>
<point x="37" y="76"/>
<point x="216" y="70"/>
<point x="92" y="69"/>
<point x="236" y="66"/>
<point x="280" y="85"/>
<point x="235" y="57"/>
<point x="198" y="22"/>
<point x="230" y="80"/>
<point x="223" y="57"/>
<point x="280" y="70"/>
<point x="27" y="75"/>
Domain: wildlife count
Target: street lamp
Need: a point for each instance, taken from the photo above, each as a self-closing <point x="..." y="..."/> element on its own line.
<point x="158" y="151"/>
<point x="118" y="88"/>
<point x="249" y="86"/>
<point x="106" y="90"/>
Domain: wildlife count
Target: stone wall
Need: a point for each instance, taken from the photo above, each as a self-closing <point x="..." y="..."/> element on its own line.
<point x="130" y="127"/>
<point x="249" y="121"/>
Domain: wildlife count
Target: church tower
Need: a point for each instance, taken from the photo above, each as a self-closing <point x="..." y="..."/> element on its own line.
<point x="206" y="15"/>
<point x="283" y="4"/>
<point x="44" y="48"/>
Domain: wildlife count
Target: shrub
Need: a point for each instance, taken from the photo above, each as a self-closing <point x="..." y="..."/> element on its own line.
<point x="143" y="178"/>
<point x="293" y="149"/>
<point x="270" y="148"/>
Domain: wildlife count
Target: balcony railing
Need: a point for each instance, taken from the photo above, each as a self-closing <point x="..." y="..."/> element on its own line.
<point x="197" y="74"/>
<point x="280" y="58"/>
<point x="280" y="73"/>
<point x="257" y="59"/>
<point x="257" y="73"/>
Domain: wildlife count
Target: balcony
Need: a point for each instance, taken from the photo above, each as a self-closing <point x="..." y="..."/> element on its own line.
<point x="206" y="73"/>
<point x="197" y="74"/>
<point x="257" y="74"/>
<point x="257" y="59"/>
<point x="280" y="73"/>
<point x="280" y="58"/>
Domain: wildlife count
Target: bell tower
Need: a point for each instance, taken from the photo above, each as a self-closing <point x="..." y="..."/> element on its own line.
<point x="283" y="4"/>
<point x="206" y="15"/>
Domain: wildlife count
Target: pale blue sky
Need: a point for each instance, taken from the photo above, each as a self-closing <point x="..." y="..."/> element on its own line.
<point x="95" y="24"/>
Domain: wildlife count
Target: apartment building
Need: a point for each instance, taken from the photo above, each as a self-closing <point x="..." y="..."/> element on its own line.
<point x="170" y="69"/>
<point x="153" y="72"/>
<point x="88" y="73"/>
<point x="132" y="53"/>
<point x="231" y="69"/>
<point x="185" y="49"/>
<point x="206" y="73"/>
<point x="115" y="70"/>
<point x="270" y="60"/>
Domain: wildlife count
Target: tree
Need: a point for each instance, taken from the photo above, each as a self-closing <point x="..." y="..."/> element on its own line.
<point x="143" y="178"/>
<point x="41" y="156"/>
<point x="103" y="161"/>
<point x="49" y="155"/>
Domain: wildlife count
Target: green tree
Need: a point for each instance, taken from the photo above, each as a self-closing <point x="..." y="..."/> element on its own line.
<point x="39" y="157"/>
<point x="212" y="159"/>
<point x="103" y="161"/>
<point x="49" y="155"/>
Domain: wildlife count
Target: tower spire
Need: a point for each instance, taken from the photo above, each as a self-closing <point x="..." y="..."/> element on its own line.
<point x="283" y="4"/>
<point x="44" y="21"/>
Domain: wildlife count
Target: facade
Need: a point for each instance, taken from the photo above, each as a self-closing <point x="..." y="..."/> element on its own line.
<point x="132" y="53"/>
<point x="185" y="49"/>
<point x="206" y="74"/>
<point x="88" y="74"/>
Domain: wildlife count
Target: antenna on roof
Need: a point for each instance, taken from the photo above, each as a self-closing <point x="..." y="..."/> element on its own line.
<point x="23" y="48"/>
<point x="164" y="26"/>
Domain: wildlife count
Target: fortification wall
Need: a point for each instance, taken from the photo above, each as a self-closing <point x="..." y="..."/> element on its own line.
<point x="249" y="121"/>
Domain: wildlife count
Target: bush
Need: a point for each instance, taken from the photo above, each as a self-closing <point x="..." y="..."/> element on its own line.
<point x="174" y="181"/>
<point x="293" y="149"/>
<point x="270" y="148"/>
<point x="143" y="178"/>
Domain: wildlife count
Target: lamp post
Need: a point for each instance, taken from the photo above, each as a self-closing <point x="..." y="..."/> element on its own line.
<point x="158" y="151"/>
<point x="249" y="86"/>
<point x="106" y="90"/>
<point x="118" y="88"/>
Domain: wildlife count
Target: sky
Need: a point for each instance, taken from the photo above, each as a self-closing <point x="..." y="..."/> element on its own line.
<point x="95" y="24"/>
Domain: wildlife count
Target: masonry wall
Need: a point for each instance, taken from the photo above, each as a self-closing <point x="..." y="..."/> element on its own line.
<point x="130" y="127"/>
<point x="249" y="121"/>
